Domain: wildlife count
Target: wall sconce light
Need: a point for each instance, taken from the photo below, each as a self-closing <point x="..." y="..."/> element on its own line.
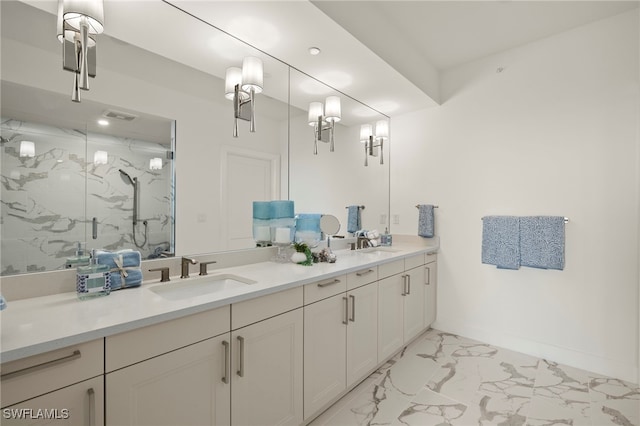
<point x="27" y="149"/>
<point x="240" y="86"/>
<point x="79" y="21"/>
<point x="371" y="142"/>
<point x="323" y="119"/>
<point x="155" y="163"/>
<point x="100" y="157"/>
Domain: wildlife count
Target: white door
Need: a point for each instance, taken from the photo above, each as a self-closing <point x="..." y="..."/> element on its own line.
<point x="324" y="352"/>
<point x="362" y="332"/>
<point x="414" y="303"/>
<point x="390" y="316"/>
<point x="183" y="387"/>
<point x="266" y="369"/>
<point x="247" y="176"/>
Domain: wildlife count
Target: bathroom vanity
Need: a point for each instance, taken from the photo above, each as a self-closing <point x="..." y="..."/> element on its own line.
<point x="276" y="344"/>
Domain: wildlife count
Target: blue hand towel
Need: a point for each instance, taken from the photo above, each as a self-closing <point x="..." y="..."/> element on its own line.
<point x="133" y="278"/>
<point x="124" y="265"/>
<point x="542" y="242"/>
<point x="501" y="241"/>
<point x="353" y="219"/>
<point x="3" y="303"/>
<point x="425" y="220"/>
<point x="130" y="258"/>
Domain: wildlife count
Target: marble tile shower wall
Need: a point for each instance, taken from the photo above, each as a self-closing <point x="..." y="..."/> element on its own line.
<point x="45" y="212"/>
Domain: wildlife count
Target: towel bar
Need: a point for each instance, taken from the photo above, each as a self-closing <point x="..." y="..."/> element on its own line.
<point x="418" y="206"/>
<point x="359" y="207"/>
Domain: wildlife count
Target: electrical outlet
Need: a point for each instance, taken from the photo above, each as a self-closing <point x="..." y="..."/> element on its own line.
<point x="383" y="219"/>
<point x="396" y="219"/>
<point x="201" y="218"/>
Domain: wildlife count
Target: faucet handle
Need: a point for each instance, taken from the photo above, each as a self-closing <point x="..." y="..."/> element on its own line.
<point x="164" y="274"/>
<point x="203" y="267"/>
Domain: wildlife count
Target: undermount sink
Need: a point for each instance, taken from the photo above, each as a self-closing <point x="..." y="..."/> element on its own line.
<point x="378" y="250"/>
<point x="201" y="285"/>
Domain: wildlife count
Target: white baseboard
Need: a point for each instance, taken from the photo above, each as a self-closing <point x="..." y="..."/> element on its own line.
<point x="570" y="357"/>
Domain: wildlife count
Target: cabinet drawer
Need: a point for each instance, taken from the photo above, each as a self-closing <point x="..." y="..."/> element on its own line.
<point x="387" y="269"/>
<point x="430" y="257"/>
<point x="414" y="261"/>
<point x="146" y="342"/>
<point x="33" y="376"/>
<point x="325" y="288"/>
<point x="254" y="310"/>
<point x="362" y="277"/>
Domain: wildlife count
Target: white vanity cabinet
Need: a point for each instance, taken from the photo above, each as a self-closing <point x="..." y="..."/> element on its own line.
<point x="400" y="305"/>
<point x="266" y="366"/>
<point x="172" y="373"/>
<point x="58" y="387"/>
<point x="340" y="336"/>
<point x="430" y="289"/>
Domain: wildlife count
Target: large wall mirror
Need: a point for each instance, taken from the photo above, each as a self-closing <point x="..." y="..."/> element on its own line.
<point x="172" y="77"/>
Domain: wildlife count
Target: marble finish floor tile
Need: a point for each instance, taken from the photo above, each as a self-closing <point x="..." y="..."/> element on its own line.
<point x="444" y="379"/>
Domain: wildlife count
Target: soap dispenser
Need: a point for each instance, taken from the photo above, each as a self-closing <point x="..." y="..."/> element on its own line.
<point x="93" y="280"/>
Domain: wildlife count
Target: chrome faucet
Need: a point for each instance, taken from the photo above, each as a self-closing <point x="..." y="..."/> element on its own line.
<point x="184" y="270"/>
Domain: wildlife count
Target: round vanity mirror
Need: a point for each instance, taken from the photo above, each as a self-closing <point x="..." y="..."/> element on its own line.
<point x="329" y="224"/>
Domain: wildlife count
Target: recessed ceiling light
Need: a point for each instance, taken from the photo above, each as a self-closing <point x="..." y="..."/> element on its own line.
<point x="314" y="51"/>
<point x="103" y="122"/>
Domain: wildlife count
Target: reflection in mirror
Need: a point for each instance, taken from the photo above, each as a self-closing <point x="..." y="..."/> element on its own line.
<point x="45" y="213"/>
<point x="331" y="181"/>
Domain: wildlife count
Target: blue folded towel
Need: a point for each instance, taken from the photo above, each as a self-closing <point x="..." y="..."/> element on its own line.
<point x="542" y="242"/>
<point x="3" y="303"/>
<point x="501" y="241"/>
<point x="133" y="278"/>
<point x="353" y="219"/>
<point x="124" y="265"/>
<point x="425" y="220"/>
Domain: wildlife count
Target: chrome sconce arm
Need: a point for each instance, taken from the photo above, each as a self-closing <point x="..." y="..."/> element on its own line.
<point x="371" y="142"/>
<point x="323" y="118"/>
<point x="241" y="86"/>
<point x="78" y="23"/>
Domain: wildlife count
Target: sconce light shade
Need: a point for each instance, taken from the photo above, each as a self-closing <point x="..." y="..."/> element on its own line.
<point x="69" y="33"/>
<point x="232" y="78"/>
<point x="155" y="163"/>
<point x="27" y="149"/>
<point x="100" y="157"/>
<point x="332" y="109"/>
<point x="74" y="11"/>
<point x="366" y="131"/>
<point x="252" y="74"/>
<point x="316" y="110"/>
<point x="382" y="130"/>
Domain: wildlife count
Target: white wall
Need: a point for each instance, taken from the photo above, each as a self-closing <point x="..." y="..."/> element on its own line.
<point x="554" y="133"/>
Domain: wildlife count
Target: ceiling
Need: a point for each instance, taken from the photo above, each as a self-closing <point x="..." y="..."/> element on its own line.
<point x="387" y="54"/>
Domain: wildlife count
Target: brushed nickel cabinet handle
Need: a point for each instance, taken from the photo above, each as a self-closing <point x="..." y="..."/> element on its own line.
<point x="328" y="283"/>
<point x="241" y="366"/>
<point x="345" y="321"/>
<point x="353" y="308"/>
<point x="360" y="274"/>
<point x="92" y="406"/>
<point x="427" y="275"/>
<point x="404" y="285"/>
<point x="225" y="377"/>
<point x="75" y="355"/>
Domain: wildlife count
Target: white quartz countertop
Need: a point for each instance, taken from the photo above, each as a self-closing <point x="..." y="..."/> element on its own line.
<point x="40" y="324"/>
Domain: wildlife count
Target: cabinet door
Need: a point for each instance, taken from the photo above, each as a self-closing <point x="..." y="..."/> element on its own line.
<point x="325" y="341"/>
<point x="80" y="404"/>
<point x="390" y="315"/>
<point x="267" y="371"/>
<point x="362" y="332"/>
<point x="414" y="303"/>
<point x="430" y="293"/>
<point x="183" y="387"/>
